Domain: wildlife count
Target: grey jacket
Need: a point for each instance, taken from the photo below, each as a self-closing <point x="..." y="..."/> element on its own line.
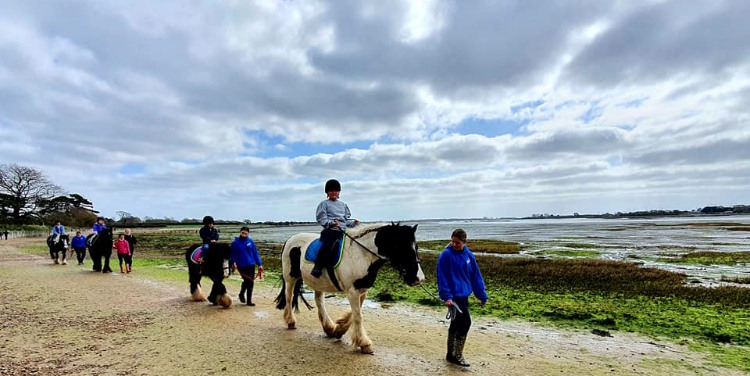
<point x="329" y="210"/>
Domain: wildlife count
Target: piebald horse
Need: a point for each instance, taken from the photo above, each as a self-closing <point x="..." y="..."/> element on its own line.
<point x="366" y="249"/>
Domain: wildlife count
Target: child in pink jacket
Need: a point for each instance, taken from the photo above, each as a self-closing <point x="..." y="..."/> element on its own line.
<point x="123" y="253"/>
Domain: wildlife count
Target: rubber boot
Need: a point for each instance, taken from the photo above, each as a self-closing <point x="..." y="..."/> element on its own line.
<point x="450" y="355"/>
<point x="250" y="286"/>
<point x="122" y="270"/>
<point x="459" y="351"/>
<point x="242" y="292"/>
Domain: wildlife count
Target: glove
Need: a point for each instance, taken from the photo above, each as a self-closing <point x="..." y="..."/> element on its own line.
<point x="260" y="273"/>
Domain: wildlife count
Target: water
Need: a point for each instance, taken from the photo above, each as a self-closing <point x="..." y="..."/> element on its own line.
<point x="615" y="239"/>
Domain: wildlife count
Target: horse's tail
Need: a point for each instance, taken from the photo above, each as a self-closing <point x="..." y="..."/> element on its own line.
<point x="281" y="299"/>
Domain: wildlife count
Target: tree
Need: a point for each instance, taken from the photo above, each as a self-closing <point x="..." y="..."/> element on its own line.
<point x="22" y="190"/>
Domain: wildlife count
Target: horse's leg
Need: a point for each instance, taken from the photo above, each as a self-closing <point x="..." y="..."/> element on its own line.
<point x="325" y="320"/>
<point x="53" y="255"/>
<point x="289" y="318"/>
<point x="106" y="268"/>
<point x="359" y="335"/>
<point x="195" y="283"/>
<point x="64" y="253"/>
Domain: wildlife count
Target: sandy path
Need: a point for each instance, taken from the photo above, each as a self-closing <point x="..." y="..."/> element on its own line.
<point x="57" y="319"/>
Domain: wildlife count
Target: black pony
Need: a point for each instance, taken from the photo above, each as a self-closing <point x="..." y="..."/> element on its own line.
<point x="101" y="247"/>
<point x="214" y="263"/>
<point x="58" y="244"/>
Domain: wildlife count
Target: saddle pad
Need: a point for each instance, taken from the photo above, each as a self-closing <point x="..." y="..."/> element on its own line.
<point x="196" y="255"/>
<point x="314" y="248"/>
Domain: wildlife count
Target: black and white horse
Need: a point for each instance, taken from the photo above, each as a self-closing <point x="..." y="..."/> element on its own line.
<point x="366" y="249"/>
<point x="99" y="248"/>
<point x="214" y="263"/>
<point x="58" y="247"/>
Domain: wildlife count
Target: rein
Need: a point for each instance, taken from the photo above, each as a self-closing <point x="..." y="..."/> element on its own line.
<point x="365" y="248"/>
<point x="453" y="310"/>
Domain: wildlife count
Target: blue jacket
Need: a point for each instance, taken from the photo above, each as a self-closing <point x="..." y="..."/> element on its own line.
<point x="208" y="234"/>
<point x="58" y="230"/>
<point x="458" y="275"/>
<point x="97" y="227"/>
<point x="244" y="252"/>
<point x="78" y="242"/>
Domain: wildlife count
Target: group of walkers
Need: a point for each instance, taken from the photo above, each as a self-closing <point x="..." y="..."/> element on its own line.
<point x="125" y="244"/>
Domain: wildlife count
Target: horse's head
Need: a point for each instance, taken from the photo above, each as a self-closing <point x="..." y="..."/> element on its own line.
<point x="399" y="244"/>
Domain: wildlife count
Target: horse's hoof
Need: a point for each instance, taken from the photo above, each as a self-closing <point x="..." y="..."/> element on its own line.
<point x="291" y="326"/>
<point x="56" y="262"/>
<point x="367" y="349"/>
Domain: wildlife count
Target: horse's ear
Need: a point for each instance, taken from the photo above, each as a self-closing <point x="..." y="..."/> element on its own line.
<point x="415" y="228"/>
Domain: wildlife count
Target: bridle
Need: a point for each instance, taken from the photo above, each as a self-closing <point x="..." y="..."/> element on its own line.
<point x="401" y="270"/>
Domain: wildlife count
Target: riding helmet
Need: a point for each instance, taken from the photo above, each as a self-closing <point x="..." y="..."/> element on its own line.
<point x="208" y="219"/>
<point x="98" y="218"/>
<point x="333" y="185"/>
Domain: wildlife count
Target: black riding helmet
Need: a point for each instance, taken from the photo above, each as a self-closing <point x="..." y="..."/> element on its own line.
<point x="208" y="219"/>
<point x="333" y="185"/>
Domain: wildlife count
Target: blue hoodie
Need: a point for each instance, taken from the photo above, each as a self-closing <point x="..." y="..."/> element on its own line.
<point x="244" y="252"/>
<point x="458" y="275"/>
<point x="78" y="242"/>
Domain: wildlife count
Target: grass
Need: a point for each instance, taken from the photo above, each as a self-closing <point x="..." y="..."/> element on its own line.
<point x="577" y="293"/>
<point x="707" y="258"/>
<point x="476" y="246"/>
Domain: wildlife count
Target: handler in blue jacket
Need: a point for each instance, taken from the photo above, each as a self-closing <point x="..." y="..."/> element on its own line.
<point x="458" y="276"/>
<point x="245" y="257"/>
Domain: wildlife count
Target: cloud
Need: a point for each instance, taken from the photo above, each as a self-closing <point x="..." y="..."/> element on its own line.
<point x="508" y="108"/>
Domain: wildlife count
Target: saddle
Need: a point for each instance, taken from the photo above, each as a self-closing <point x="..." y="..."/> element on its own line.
<point x="197" y="256"/>
<point x="311" y="254"/>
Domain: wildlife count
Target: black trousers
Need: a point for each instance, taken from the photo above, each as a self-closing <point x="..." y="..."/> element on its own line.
<point x="328" y="237"/>
<point x="461" y="324"/>
<point x="248" y="281"/>
<point x="80" y="254"/>
<point x="127" y="258"/>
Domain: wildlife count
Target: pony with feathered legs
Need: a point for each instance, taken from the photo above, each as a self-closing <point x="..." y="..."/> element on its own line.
<point x="101" y="247"/>
<point x="214" y="263"/>
<point x="58" y="246"/>
<point x="365" y="250"/>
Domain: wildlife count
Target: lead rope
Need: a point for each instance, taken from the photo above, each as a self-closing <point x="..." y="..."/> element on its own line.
<point x="453" y="310"/>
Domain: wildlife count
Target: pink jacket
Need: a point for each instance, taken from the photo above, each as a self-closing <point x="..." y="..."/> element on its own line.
<point x="122" y="246"/>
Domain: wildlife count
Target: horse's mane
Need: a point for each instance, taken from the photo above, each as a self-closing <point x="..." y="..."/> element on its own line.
<point x="363" y="230"/>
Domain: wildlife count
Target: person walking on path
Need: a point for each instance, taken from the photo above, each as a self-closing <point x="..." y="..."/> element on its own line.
<point x="79" y="246"/>
<point x="458" y="275"/>
<point x="132" y="241"/>
<point x="245" y="257"/>
<point x="123" y="253"/>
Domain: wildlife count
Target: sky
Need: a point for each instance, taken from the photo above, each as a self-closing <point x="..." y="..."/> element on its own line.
<point x="422" y="109"/>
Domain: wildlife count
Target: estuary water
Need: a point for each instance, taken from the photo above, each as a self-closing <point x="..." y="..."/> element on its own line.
<point x="637" y="240"/>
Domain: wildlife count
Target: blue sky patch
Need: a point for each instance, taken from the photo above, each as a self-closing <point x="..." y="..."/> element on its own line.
<point x="490" y="127"/>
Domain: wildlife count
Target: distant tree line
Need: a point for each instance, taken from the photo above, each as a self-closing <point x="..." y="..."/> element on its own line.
<point x="708" y="210"/>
